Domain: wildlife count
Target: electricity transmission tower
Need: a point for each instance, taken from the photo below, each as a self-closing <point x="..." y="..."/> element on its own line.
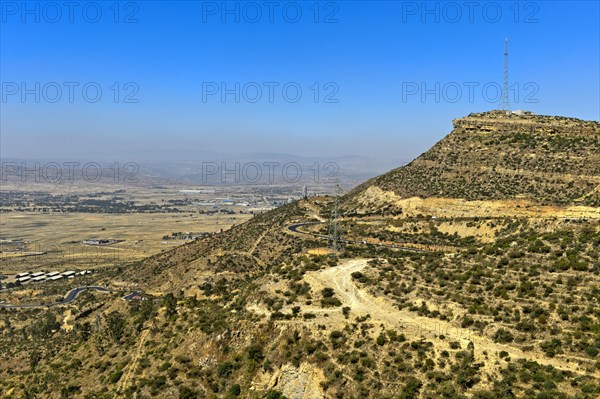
<point x="504" y="101"/>
<point x="334" y="231"/>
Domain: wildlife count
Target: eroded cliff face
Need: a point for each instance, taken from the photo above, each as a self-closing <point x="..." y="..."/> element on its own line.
<point x="500" y="121"/>
<point x="546" y="160"/>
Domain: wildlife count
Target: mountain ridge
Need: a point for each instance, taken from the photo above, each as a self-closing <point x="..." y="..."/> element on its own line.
<point x="548" y="160"/>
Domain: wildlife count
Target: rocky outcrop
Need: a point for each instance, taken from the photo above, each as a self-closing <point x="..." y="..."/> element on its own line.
<point x="300" y="382"/>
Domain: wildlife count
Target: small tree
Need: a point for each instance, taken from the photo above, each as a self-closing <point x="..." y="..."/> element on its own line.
<point x="346" y="311"/>
<point x="34" y="358"/>
<point x="381" y="339"/>
<point x="115" y="323"/>
<point x="170" y="303"/>
<point x="84" y="330"/>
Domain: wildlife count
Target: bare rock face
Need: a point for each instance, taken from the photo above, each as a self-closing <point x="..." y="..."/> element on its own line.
<point x="299" y="382"/>
<point x="547" y="160"/>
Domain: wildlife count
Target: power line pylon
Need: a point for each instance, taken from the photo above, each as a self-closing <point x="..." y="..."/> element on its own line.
<point x="504" y="101"/>
<point x="334" y="231"/>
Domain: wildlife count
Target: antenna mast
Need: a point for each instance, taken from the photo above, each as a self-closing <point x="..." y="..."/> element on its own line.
<point x="504" y="101"/>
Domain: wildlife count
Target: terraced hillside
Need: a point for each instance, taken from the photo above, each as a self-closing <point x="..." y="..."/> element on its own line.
<point x="494" y="156"/>
<point x="481" y="292"/>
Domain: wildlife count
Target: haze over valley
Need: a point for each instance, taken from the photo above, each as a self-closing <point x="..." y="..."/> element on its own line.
<point x="300" y="200"/>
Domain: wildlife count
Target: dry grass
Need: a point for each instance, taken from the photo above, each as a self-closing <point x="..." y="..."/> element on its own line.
<point x="57" y="236"/>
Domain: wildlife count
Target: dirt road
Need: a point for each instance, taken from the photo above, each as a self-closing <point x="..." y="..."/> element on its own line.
<point x="125" y="380"/>
<point x="414" y="326"/>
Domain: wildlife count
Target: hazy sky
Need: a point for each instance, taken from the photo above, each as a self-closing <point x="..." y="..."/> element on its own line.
<point x="191" y="77"/>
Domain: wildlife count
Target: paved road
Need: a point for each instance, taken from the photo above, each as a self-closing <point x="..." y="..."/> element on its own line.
<point x="295" y="229"/>
<point x="68" y="299"/>
<point x="73" y="293"/>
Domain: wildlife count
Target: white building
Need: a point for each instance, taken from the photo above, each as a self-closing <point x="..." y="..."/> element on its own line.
<point x="522" y="112"/>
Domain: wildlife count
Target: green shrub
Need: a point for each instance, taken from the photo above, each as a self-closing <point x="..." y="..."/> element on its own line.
<point x="115" y="377"/>
<point x="274" y="395"/>
<point x="411" y="389"/>
<point x="551" y="347"/>
<point x="235" y="390"/>
<point x="225" y="369"/>
<point x="187" y="393"/>
<point x="503" y="336"/>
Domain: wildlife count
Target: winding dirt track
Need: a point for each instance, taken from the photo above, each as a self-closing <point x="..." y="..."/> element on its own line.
<point x="414" y="326"/>
<point x="125" y="380"/>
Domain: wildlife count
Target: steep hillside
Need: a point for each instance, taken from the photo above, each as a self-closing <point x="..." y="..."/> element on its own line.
<point x="496" y="297"/>
<point x="249" y="248"/>
<point x="494" y="156"/>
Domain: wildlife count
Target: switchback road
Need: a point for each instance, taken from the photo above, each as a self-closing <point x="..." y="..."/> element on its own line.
<point x="294" y="228"/>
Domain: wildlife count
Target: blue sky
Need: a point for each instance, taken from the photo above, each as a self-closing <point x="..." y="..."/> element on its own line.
<point x="361" y="68"/>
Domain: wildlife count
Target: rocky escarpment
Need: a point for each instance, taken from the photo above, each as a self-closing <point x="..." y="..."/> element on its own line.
<point x="498" y="156"/>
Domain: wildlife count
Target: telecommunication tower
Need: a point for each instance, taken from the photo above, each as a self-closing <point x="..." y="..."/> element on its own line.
<point x="504" y="101"/>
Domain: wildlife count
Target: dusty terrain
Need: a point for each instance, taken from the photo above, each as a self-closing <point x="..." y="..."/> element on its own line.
<point x="472" y="273"/>
<point x="417" y="327"/>
<point x="58" y="236"/>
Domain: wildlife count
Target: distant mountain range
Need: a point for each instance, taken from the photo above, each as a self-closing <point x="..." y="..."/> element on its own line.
<point x="218" y="169"/>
